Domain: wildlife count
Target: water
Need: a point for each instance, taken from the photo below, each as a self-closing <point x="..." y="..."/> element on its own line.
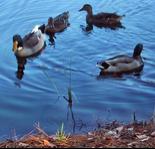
<point x="46" y="77"/>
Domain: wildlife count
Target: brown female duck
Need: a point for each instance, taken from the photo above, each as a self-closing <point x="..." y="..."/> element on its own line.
<point x="101" y="19"/>
<point x="57" y="24"/>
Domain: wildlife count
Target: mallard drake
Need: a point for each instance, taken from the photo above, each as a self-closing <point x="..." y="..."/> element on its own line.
<point x="31" y="44"/>
<point x="102" y="19"/>
<point x="57" y="24"/>
<point x="123" y="63"/>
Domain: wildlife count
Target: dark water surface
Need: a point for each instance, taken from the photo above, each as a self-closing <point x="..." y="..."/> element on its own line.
<point x="35" y="97"/>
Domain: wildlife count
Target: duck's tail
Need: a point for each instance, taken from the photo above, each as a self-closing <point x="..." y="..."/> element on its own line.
<point x="121" y="17"/>
<point x="63" y="16"/>
<point x="35" y="29"/>
<point x="118" y="17"/>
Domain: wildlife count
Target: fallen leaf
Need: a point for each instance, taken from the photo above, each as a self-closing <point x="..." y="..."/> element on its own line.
<point x="141" y="137"/>
<point x="153" y="134"/>
<point x="48" y="144"/>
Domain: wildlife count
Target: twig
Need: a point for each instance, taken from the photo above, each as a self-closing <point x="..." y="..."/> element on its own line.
<point x="37" y="127"/>
<point x="25" y="136"/>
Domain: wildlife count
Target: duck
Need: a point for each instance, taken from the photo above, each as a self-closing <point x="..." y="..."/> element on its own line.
<point x="123" y="63"/>
<point x="57" y="24"/>
<point x="30" y="44"/>
<point x="102" y="19"/>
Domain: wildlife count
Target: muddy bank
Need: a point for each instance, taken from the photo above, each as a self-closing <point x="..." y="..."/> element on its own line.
<point x="135" y="135"/>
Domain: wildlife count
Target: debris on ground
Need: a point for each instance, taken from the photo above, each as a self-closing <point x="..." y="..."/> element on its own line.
<point x="113" y="135"/>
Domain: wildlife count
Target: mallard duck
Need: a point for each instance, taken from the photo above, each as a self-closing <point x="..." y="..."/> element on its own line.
<point x="57" y="24"/>
<point x="31" y="44"/>
<point x="101" y="19"/>
<point x="123" y="63"/>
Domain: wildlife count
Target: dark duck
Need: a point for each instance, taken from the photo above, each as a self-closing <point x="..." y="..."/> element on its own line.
<point x="57" y="24"/>
<point x="110" y="20"/>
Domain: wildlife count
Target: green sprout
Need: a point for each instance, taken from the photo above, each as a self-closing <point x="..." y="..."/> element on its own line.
<point x="60" y="135"/>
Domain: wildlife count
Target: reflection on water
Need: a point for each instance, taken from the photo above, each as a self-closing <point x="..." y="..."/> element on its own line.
<point x="21" y="62"/>
<point x="90" y="27"/>
<point x="69" y="100"/>
<point x="52" y="40"/>
<point x="70" y="112"/>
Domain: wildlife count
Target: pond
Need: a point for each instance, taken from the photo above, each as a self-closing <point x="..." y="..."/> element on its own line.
<point x="38" y="96"/>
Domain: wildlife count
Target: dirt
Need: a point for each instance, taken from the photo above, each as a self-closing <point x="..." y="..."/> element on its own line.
<point x="113" y="135"/>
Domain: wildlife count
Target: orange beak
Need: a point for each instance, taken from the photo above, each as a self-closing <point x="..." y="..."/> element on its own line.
<point x="15" y="44"/>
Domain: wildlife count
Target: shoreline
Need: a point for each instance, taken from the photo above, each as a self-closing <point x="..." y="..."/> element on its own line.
<point x="112" y="135"/>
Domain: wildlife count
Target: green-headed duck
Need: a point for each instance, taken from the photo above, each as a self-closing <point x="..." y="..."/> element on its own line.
<point x="31" y="44"/>
<point x="123" y="63"/>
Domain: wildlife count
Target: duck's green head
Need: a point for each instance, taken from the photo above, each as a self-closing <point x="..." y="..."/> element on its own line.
<point x="86" y="7"/>
<point x="17" y="43"/>
<point x="138" y="50"/>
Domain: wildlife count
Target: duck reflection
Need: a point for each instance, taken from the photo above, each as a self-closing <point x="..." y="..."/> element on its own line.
<point x="87" y="28"/>
<point x="21" y="62"/>
<point x="90" y="27"/>
<point x="69" y="99"/>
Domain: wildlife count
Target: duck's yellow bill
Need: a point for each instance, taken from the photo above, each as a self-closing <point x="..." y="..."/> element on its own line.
<point x="15" y="44"/>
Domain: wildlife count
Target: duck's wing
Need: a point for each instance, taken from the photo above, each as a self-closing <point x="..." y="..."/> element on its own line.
<point x="61" y="22"/>
<point x="111" y="18"/>
<point x="61" y="18"/>
<point x="119" y="59"/>
<point x="31" y="40"/>
<point x="114" y="62"/>
<point x="129" y="67"/>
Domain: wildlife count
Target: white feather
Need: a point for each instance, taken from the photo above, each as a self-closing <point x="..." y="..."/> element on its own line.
<point x="35" y="29"/>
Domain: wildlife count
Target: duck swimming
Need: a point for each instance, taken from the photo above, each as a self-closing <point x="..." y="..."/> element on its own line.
<point x="57" y="24"/>
<point x="102" y="19"/>
<point x="123" y="63"/>
<point x="31" y="44"/>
